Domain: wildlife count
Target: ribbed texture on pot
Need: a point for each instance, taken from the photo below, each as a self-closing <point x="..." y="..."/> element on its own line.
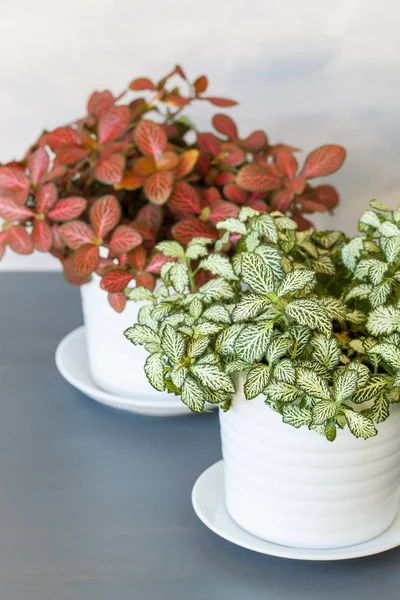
<point x="115" y="364"/>
<point x="292" y="487"/>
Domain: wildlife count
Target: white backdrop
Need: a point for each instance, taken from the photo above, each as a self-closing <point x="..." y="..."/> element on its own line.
<point x="308" y="71"/>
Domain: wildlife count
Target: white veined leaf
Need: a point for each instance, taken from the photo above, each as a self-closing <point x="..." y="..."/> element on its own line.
<point x="271" y="256"/>
<point x="234" y="365"/>
<point x="154" y="369"/>
<point x="232" y="225"/>
<point x="301" y="336"/>
<point x="160" y="311"/>
<point x="357" y="345"/>
<point x="356" y="316"/>
<point x="284" y="370"/>
<point x="307" y="311"/>
<point x="370" y="391"/>
<point x="309" y="247"/>
<point x="312" y="384"/>
<point x="396" y="215"/>
<point x="277" y="348"/>
<point x="284" y="223"/>
<point x="165" y="269"/>
<point x="384" y="319"/>
<point x="197" y="346"/>
<point x="265" y="225"/>
<point x="279" y="391"/>
<point x="326" y="351"/>
<point x="217" y="313"/>
<point x="323" y="411"/>
<point x="257" y="274"/>
<point x="363" y="373"/>
<point x="179" y="276"/>
<point x="145" y="317"/>
<point x="196" y="251"/>
<point x="295" y="281"/>
<point x="380" y="410"/>
<point x="345" y="386"/>
<point x="314" y="366"/>
<point x="396" y="379"/>
<point x="213" y="397"/>
<point x="211" y="376"/>
<point x="392" y="249"/>
<point x="252" y="341"/>
<point x="362" y="269"/>
<point x="209" y="359"/>
<point x="208" y="328"/>
<point x="370" y="218"/>
<point x="335" y="308"/>
<point x="376" y="271"/>
<point x="140" y="293"/>
<point x="218" y="265"/>
<point x="144" y="336"/>
<point x="389" y="229"/>
<point x="257" y="380"/>
<point x="296" y="416"/>
<point x="359" y="425"/>
<point x="225" y="342"/>
<point x="361" y="291"/>
<point x="388" y="352"/>
<point x="250" y="306"/>
<point x="174" y="319"/>
<point x="351" y="252"/>
<point x="196" y="308"/>
<point x="380" y="294"/>
<point x="173" y="344"/>
<point x="324" y="265"/>
<point x="246" y="212"/>
<point x="193" y="395"/>
<point x="216" y="289"/>
<point x="219" y="244"/>
<point x="252" y="241"/>
<point x="379" y="206"/>
<point x="178" y="375"/>
<point x="171" y="249"/>
<point x="327" y="239"/>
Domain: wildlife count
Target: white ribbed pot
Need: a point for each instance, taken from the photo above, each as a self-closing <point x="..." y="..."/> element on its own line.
<point x="115" y="364"/>
<point x="293" y="487"/>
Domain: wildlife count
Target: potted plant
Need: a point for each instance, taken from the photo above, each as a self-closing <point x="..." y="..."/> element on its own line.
<point x="98" y="194"/>
<point x="297" y="339"/>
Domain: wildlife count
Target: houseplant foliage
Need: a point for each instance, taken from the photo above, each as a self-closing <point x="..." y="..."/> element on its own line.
<point x="311" y="317"/>
<point x="99" y="193"/>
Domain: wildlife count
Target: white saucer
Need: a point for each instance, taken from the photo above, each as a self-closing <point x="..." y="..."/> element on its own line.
<point x="208" y="499"/>
<point x="72" y="362"/>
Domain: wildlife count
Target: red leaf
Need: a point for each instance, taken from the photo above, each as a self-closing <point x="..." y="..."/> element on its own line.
<point x="11" y="211"/>
<point x="115" y="280"/>
<point x="286" y="163"/>
<point x="124" y="239"/>
<point x="13" y="179"/>
<point x="55" y="173"/>
<point x="211" y="197"/>
<point x="203" y="164"/>
<point x="185" y="230"/>
<point x="71" y="275"/>
<point x="303" y="224"/>
<point x="38" y="164"/>
<point x="296" y="185"/>
<point x="225" y="125"/>
<point x="62" y="136"/>
<point x="76" y="233"/>
<point x="68" y="209"/>
<point x="113" y="124"/>
<point x="201" y="84"/>
<point x="158" y="187"/>
<point x="235" y="194"/>
<point x="310" y="206"/>
<point x="257" y="178"/>
<point x="146" y="280"/>
<point x="150" y="139"/>
<point x="105" y="215"/>
<point x="151" y="217"/>
<point x="70" y="154"/>
<point x="186" y="163"/>
<point x="220" y="101"/>
<point x="19" y="240"/>
<point x="148" y="236"/>
<point x="46" y="198"/>
<point x="137" y="258"/>
<point x="282" y="200"/>
<point x="142" y="83"/>
<point x="234" y="156"/>
<point x="327" y="195"/>
<point x="42" y="236"/>
<point x="58" y="242"/>
<point x="117" y="301"/>
<point x="323" y="161"/>
<point x="222" y="211"/>
<point x="184" y="200"/>
<point x="256" y="141"/>
<point x="224" y="178"/>
<point x="257" y="204"/>
<point x="209" y="143"/>
<point x="100" y="102"/>
<point x="86" y="259"/>
<point x="130" y="181"/>
<point x="110" y="170"/>
<point x="115" y="148"/>
<point x="156" y="262"/>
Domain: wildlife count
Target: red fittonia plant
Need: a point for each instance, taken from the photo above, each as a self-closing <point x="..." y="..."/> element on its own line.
<point x="117" y="180"/>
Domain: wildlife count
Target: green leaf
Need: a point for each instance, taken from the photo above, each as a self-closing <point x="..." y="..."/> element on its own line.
<point x="380" y="409"/>
<point x="371" y="390"/>
<point x="257" y="380"/>
<point x="295" y="281"/>
<point x="257" y="274"/>
<point x="279" y="391"/>
<point x="392" y="249"/>
<point x="323" y="411"/>
<point x="312" y="384"/>
<point x="250" y="306"/>
<point x="266" y="225"/>
<point x="252" y="341"/>
<point x="384" y="319"/>
<point x="277" y="348"/>
<point x="330" y="431"/>
<point x="140" y="293"/>
<point x="197" y="346"/>
<point x="285" y="371"/>
<point x="345" y="386"/>
<point x="193" y="395"/>
<point x="216" y="289"/>
<point x="326" y="351"/>
<point x="307" y="311"/>
<point x="218" y="265"/>
<point x="361" y="291"/>
<point x="171" y="249"/>
<point x="359" y="425"/>
<point x="296" y="416"/>
<point x="144" y="336"/>
<point x="324" y="264"/>
<point x="217" y="313"/>
<point x="210" y="376"/>
<point x="225" y="342"/>
<point x="173" y="343"/>
<point x="178" y="375"/>
<point x="379" y="206"/>
<point x="351" y="252"/>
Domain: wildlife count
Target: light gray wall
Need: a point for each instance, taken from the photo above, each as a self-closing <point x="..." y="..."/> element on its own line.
<point x="307" y="71"/>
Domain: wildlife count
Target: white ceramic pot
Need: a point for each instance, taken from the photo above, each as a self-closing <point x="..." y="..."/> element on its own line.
<point x="115" y="364"/>
<point x="293" y="487"/>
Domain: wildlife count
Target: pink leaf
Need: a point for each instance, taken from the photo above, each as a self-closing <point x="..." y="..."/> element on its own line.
<point x="113" y="123"/>
<point x="323" y="161"/>
<point x="124" y="239"/>
<point x="38" y="164"/>
<point x="42" y="236"/>
<point x="105" y="215"/>
<point x="76" y="233"/>
<point x="68" y="209"/>
<point x="150" y="139"/>
<point x="19" y="240"/>
<point x="46" y="198"/>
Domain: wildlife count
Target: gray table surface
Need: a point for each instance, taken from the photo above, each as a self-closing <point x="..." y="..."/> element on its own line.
<point x="95" y="503"/>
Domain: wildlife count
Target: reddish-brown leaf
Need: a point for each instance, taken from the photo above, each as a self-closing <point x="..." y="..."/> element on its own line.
<point x="185" y="230"/>
<point x="286" y="163"/>
<point x="56" y="172"/>
<point x="148" y="236"/>
<point x="137" y="258"/>
<point x="282" y="200"/>
<point x="13" y="179"/>
<point x="46" y="198"/>
<point x="303" y="224"/>
<point x="61" y="136"/>
<point x="76" y="233"/>
<point x="86" y="259"/>
<point x="144" y="166"/>
<point x="158" y="187"/>
<point x="11" y="211"/>
<point x="310" y="206"/>
<point x="211" y="196"/>
<point x="105" y="215"/>
<point x="156" y="262"/>
<point x="222" y="211"/>
<point x="68" y="209"/>
<point x="146" y="280"/>
<point x="175" y="100"/>
<point x="19" y="240"/>
<point x="38" y="164"/>
<point x="234" y="156"/>
<point x="257" y="178"/>
<point x="257" y="204"/>
<point x="256" y="141"/>
<point x="130" y="181"/>
<point x="296" y="185"/>
<point x="71" y="275"/>
<point x="113" y="123"/>
<point x="115" y="148"/>
<point x="201" y="84"/>
<point x="58" y="242"/>
<point x="124" y="239"/>
<point x="42" y="236"/>
<point x="225" y="125"/>
<point x="203" y="163"/>
<point x="70" y="153"/>
<point x="235" y="194"/>
<point x="117" y="301"/>
<point x="110" y="169"/>
<point x="220" y="101"/>
<point x="209" y="143"/>
<point x="187" y="161"/>
<point x="115" y="280"/>
<point x="327" y="195"/>
<point x="100" y="102"/>
<point x="224" y="178"/>
<point x="184" y="200"/>
<point x="142" y="83"/>
<point x="151" y="217"/>
<point x="323" y="161"/>
<point x="150" y="138"/>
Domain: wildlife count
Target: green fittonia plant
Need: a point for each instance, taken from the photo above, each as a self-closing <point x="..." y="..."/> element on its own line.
<point x="312" y="318"/>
